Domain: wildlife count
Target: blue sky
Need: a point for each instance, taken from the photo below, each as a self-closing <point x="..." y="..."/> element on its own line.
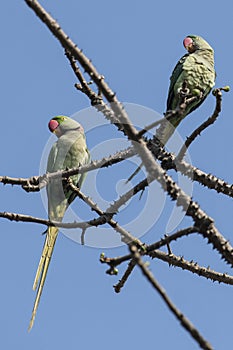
<point x="135" y="46"/>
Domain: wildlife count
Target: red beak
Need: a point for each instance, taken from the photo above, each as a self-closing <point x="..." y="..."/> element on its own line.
<point x="53" y="124"/>
<point x="188" y="44"/>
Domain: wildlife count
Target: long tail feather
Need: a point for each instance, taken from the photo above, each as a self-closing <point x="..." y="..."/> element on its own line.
<point x="43" y="269"/>
<point x="167" y="128"/>
<point x="41" y="263"/>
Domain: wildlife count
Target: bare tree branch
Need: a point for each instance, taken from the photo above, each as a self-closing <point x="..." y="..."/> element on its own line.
<point x="95" y="99"/>
<point x="28" y="218"/>
<point x="125" y="277"/>
<point x="152" y="251"/>
<point x="178" y="261"/>
<point x="203" y="126"/>
<point x="195" y="334"/>
<point x="36" y="183"/>
<point x="106" y="216"/>
<point x="149" y="151"/>
<point x="148" y="249"/>
<point x="169" y="161"/>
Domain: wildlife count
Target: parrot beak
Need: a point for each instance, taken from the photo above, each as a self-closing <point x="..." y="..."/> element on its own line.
<point x="54" y="127"/>
<point x="189" y="45"/>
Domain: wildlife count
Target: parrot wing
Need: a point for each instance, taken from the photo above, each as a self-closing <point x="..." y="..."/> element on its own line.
<point x="176" y="74"/>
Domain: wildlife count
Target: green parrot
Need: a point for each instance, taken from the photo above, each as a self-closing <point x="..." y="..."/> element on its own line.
<point x="69" y="151"/>
<point x="196" y="70"/>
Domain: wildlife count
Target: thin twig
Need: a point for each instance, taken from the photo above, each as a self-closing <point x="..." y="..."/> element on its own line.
<point x="152" y="251"/>
<point x="169" y="161"/>
<point x="36" y="183"/>
<point x="168" y="239"/>
<point x="125" y="235"/>
<point x="150" y="248"/>
<point x="28" y="218"/>
<point x="125" y="277"/>
<point x="84" y="87"/>
<point x="179" y="261"/>
<point x="203" y="126"/>
<point x="123" y="199"/>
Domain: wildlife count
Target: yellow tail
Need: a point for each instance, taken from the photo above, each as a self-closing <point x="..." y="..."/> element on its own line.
<point x="43" y="268"/>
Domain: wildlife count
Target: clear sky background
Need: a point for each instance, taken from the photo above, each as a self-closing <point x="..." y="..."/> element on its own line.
<point x="135" y="45"/>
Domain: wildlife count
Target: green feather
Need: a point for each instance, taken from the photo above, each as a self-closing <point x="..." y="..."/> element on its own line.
<point x="70" y="151"/>
<point x="197" y="70"/>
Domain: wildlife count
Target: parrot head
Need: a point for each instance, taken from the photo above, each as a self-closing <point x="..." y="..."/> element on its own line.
<point x="61" y="124"/>
<point x="193" y="43"/>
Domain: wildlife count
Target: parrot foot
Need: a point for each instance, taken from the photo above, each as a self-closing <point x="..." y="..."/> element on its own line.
<point x="183" y="92"/>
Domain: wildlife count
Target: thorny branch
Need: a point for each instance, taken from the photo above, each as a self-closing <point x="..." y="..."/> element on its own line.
<point x="203" y="126"/>
<point x="149" y="152"/>
<point x="125" y="277"/>
<point x="169" y="161"/>
<point x="152" y="251"/>
<point x="193" y="267"/>
<point x="150" y="248"/>
<point x="95" y="98"/>
<point x="28" y="218"/>
<point x="36" y="183"/>
<point x="177" y="313"/>
<point x="107" y="216"/>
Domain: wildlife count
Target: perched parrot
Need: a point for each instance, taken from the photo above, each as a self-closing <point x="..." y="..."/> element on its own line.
<point x="196" y="69"/>
<point x="69" y="151"/>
